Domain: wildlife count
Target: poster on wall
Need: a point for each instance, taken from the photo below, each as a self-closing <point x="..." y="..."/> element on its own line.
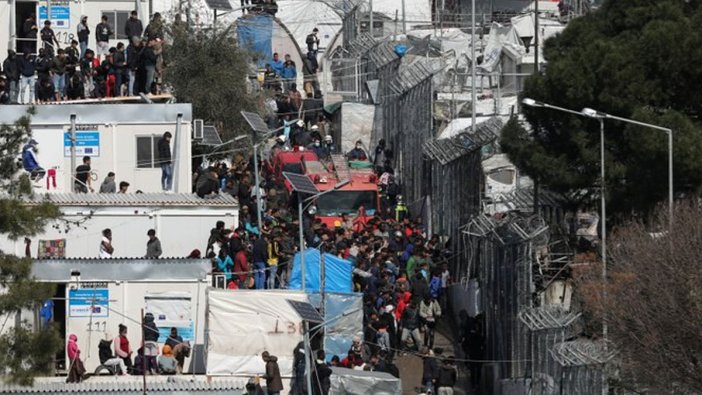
<point x="52" y="249"/>
<point x="60" y="14"/>
<point x="171" y="310"/>
<point x="87" y="143"/>
<point x="89" y="302"/>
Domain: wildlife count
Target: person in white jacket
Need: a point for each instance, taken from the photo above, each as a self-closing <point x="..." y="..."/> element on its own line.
<point x="429" y="312"/>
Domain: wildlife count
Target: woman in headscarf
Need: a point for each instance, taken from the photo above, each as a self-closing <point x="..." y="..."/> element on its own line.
<point x="76" y="369"/>
<point x="166" y="361"/>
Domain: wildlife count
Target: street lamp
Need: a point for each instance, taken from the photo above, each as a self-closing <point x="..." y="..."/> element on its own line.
<point x="258" y="126"/>
<point x="603" y="228"/>
<point x="600" y="115"/>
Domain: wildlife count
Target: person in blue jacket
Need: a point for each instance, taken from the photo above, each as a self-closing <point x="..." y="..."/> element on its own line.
<point x="29" y="161"/>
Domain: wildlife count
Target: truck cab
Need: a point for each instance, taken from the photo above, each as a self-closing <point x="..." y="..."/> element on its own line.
<point x="361" y="191"/>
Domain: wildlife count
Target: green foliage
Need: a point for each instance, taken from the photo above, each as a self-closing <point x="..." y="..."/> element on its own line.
<point x="23" y="352"/>
<point x="210" y="71"/>
<point x="632" y="58"/>
<point x="27" y="353"/>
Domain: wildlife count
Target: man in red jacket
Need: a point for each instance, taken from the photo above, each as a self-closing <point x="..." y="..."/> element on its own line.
<point x="241" y="268"/>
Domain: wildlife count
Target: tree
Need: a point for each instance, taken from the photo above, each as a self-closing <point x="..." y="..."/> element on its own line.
<point x="24" y="353"/>
<point x="653" y="303"/>
<point x="633" y="58"/>
<point x="210" y="71"/>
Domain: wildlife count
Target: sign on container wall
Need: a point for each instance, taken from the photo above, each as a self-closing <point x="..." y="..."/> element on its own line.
<point x="171" y="310"/>
<point x="89" y="302"/>
<point x="87" y="144"/>
<point x="60" y="14"/>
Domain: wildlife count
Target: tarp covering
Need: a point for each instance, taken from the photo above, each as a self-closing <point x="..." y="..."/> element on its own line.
<point x="301" y="16"/>
<point x="359" y="382"/>
<point x="338" y="273"/>
<point x="242" y="324"/>
<point x="356" y="124"/>
<point x="344" y="314"/>
<point x="255" y="34"/>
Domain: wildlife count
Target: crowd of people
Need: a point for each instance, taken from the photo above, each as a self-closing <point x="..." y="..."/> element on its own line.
<point x="401" y="270"/>
<point x="118" y="358"/>
<point x="55" y="74"/>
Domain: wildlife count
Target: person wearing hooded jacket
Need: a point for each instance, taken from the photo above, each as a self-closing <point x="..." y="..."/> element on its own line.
<point x="29" y="160"/>
<point x="11" y="71"/>
<point x="151" y="335"/>
<point x="76" y="369"/>
<point x="274" y="383"/>
<point x="447" y="377"/>
<point x="107" y="358"/>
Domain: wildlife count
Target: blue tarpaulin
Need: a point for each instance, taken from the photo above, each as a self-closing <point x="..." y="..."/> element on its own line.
<point x="255" y="34"/>
<point x="338" y="273"/>
<point x="344" y="316"/>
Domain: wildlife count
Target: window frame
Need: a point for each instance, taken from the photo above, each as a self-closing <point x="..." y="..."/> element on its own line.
<point x="154" y="152"/>
<point x="118" y="32"/>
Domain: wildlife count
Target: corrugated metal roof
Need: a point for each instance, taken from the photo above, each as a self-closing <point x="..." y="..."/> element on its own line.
<point x="450" y="149"/>
<point x="121" y="269"/>
<point x="105" y="113"/>
<point x="382" y="54"/>
<point x="130" y="385"/>
<point x="132" y="199"/>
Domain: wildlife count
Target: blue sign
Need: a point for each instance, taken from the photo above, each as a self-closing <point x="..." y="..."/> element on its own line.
<point x="88" y="302"/>
<point x="186" y="332"/>
<point x="87" y="144"/>
<point x="60" y="16"/>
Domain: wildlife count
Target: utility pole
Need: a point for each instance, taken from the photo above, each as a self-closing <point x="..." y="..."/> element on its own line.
<point x="73" y="151"/>
<point x="404" y="19"/>
<point x="143" y="337"/>
<point x="536" y="36"/>
<point x="370" y="3"/>
<point x="473" y="64"/>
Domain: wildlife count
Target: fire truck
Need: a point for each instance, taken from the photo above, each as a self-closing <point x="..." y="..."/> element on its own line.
<point x="361" y="191"/>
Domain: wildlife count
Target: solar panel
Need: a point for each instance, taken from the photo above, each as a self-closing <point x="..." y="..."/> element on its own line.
<point x="219" y="4"/>
<point x="301" y="183"/>
<point x="255" y="121"/>
<point x="306" y="311"/>
<point x="210" y="136"/>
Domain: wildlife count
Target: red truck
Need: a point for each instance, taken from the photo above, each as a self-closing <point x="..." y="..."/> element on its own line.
<point x="361" y="191"/>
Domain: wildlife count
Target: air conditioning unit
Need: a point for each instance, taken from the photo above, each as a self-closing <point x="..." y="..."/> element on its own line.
<point x="198" y="129"/>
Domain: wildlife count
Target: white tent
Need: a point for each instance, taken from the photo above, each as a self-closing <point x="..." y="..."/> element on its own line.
<point x="301" y="16"/>
<point x="242" y="324"/>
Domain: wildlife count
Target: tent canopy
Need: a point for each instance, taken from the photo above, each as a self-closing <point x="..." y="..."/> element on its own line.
<point x="338" y="273"/>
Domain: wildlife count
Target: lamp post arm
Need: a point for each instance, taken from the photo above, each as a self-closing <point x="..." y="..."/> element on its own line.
<point x="639" y="123"/>
<point x="545" y="105"/>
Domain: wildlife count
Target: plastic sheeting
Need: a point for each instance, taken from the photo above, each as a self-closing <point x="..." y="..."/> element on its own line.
<point x="242" y="324"/>
<point x="359" y="382"/>
<point x="338" y="273"/>
<point x="356" y="124"/>
<point x="344" y="314"/>
<point x="417" y="12"/>
<point x="255" y="33"/>
<point x="301" y="16"/>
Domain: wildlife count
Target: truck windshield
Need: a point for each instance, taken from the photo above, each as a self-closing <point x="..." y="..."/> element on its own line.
<point x="293" y="168"/>
<point x="333" y="204"/>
